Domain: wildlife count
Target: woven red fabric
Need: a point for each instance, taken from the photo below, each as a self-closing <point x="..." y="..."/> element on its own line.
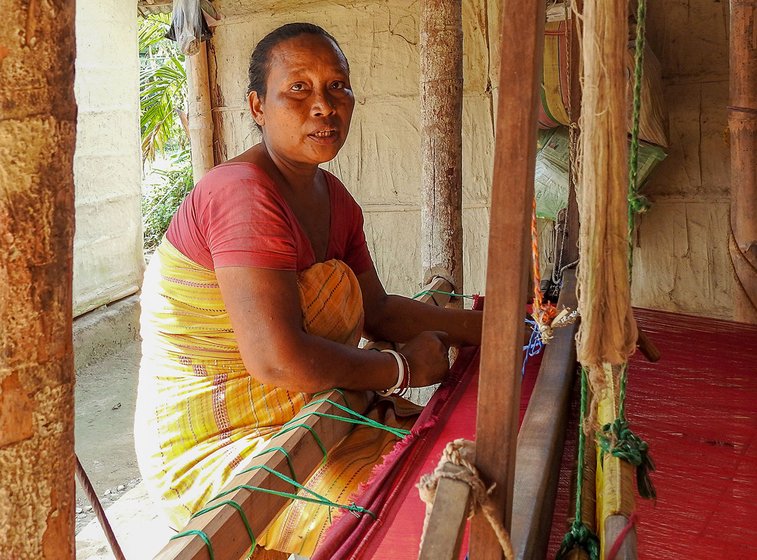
<point x="697" y="409"/>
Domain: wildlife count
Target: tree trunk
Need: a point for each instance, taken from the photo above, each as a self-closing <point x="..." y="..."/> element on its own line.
<point x="37" y="139"/>
<point x="442" y="141"/>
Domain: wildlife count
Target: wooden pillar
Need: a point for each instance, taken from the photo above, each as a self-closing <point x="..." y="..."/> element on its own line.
<point x="507" y="269"/>
<point x="200" y="117"/>
<point x="442" y="145"/>
<point x="37" y="139"/>
<point x="742" y="123"/>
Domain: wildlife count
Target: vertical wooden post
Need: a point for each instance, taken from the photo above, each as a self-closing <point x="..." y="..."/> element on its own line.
<point x="37" y="139"/>
<point x="200" y="117"/>
<point x="742" y="123"/>
<point x="442" y="144"/>
<point x="507" y="270"/>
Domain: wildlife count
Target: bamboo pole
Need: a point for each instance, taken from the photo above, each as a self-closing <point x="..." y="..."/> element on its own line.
<point x="506" y="280"/>
<point x="441" y="91"/>
<point x="200" y="116"/>
<point x="742" y="123"/>
<point x="37" y="141"/>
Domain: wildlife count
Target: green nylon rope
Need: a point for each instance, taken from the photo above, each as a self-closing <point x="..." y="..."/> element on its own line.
<point x="286" y="454"/>
<point x="317" y="499"/>
<point x="237" y="507"/>
<point x="200" y="534"/>
<point x="636" y="202"/>
<point x="450" y="294"/>
<point x="289" y="427"/>
<point x="360" y="419"/>
<point x="580" y="535"/>
<point x="618" y="439"/>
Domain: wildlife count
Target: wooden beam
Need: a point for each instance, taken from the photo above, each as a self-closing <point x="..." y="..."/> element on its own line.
<point x="541" y="438"/>
<point x="224" y="526"/>
<point x="742" y="124"/>
<point x="444" y="528"/>
<point x="200" y="117"/>
<point x="507" y="270"/>
<point x="441" y="92"/>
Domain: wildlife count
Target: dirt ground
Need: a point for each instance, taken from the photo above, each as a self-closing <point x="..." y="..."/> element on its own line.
<point x="105" y="397"/>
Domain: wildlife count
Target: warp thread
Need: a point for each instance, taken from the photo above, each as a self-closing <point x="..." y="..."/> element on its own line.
<point x="461" y="453"/>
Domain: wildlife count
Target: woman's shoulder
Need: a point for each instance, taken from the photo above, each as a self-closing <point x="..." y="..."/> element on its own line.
<point x="231" y="174"/>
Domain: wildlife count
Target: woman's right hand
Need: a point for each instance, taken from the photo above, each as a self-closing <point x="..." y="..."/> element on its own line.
<point x="428" y="357"/>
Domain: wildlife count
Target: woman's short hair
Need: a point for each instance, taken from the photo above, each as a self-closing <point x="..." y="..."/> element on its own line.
<point x="260" y="60"/>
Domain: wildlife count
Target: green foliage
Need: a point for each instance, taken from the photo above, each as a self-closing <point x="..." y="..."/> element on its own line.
<point x="160" y="201"/>
<point x="162" y="89"/>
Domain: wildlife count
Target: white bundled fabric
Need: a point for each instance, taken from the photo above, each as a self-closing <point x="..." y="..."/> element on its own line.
<point x="187" y="23"/>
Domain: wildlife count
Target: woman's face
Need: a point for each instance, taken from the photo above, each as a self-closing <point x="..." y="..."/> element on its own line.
<point x="305" y="115"/>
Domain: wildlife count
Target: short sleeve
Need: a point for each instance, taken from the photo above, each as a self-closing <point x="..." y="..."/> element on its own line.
<point x="246" y="225"/>
<point x="234" y="217"/>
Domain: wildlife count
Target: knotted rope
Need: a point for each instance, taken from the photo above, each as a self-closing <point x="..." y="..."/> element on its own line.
<point x="461" y="453"/>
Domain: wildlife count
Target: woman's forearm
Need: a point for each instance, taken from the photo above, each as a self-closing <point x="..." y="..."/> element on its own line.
<point x="399" y="319"/>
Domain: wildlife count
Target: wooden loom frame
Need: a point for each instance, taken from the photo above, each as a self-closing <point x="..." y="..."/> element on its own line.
<point x="541" y="437"/>
<point x="538" y="446"/>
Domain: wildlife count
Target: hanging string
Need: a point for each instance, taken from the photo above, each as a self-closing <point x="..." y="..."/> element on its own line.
<point x="580" y="535"/>
<point x="636" y="202"/>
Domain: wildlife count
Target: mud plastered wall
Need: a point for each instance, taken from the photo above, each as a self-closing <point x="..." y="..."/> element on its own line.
<point x="681" y="258"/>
<point x="108" y="261"/>
<point x="680" y="261"/>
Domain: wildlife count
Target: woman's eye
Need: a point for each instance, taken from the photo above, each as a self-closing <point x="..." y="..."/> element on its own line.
<point x="298" y="87"/>
<point x="338" y="85"/>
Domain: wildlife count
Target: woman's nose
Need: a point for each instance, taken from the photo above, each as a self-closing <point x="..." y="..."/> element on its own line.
<point x="323" y="104"/>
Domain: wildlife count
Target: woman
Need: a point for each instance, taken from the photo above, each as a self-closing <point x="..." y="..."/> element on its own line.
<point x="261" y="290"/>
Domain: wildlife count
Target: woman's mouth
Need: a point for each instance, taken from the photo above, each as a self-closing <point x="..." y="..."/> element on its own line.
<point x="326" y="136"/>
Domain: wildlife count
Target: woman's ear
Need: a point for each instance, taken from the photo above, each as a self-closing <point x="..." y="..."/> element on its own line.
<point x="256" y="107"/>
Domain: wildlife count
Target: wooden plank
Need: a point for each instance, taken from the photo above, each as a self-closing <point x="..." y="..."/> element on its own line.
<point x="541" y="438"/>
<point x="224" y="526"/>
<point x="441" y="92"/>
<point x="443" y="531"/>
<point x="506" y="281"/>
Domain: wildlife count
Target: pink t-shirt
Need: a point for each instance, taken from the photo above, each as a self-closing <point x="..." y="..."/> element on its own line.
<point x="235" y="216"/>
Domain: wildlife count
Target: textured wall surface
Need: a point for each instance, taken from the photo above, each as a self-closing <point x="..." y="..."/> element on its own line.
<point x="681" y="260"/>
<point x="108" y="261"/>
<point x="37" y="136"/>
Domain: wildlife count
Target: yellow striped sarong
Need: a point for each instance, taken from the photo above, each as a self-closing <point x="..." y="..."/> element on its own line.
<point x="200" y="413"/>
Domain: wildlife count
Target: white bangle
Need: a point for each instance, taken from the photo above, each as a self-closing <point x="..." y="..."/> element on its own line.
<point x="400" y="375"/>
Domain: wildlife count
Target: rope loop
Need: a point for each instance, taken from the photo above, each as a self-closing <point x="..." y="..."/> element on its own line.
<point x="579" y="536"/>
<point x="617" y="439"/>
<point x="461" y="453"/>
